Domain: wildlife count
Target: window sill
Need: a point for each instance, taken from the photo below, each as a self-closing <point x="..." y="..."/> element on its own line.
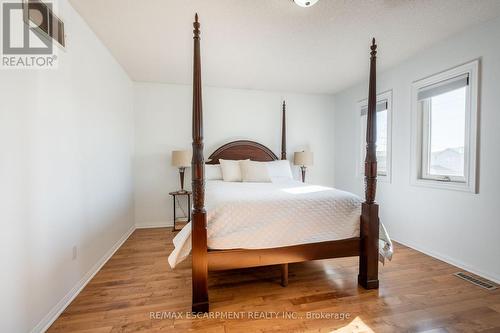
<point x="451" y="185"/>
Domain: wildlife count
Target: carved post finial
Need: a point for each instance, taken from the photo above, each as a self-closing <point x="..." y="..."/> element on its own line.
<point x="196" y="26"/>
<point x="373" y="53"/>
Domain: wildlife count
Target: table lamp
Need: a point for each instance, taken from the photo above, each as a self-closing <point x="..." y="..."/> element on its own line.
<point x="304" y="159"/>
<point x="182" y="160"/>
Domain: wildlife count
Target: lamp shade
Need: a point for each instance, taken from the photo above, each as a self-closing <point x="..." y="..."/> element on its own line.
<point x="181" y="158"/>
<point x="303" y="158"/>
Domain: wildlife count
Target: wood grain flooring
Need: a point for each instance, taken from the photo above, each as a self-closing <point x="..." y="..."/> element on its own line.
<point x="136" y="291"/>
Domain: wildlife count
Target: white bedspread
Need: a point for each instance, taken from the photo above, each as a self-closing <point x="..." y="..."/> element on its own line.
<point x="267" y="215"/>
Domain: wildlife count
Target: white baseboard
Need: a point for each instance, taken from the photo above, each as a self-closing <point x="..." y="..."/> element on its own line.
<point x="162" y="224"/>
<point x="450" y="261"/>
<point x="45" y="323"/>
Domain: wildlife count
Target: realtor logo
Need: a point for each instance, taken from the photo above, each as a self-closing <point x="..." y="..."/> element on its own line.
<point x="26" y="30"/>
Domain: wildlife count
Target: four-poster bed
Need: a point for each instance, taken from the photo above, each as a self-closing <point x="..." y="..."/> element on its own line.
<point x="204" y="260"/>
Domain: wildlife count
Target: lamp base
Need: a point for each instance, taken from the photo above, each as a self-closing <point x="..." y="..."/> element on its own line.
<point x="303" y="171"/>
<point x="181" y="175"/>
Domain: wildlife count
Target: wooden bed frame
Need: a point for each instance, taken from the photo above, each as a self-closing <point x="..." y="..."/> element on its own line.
<point x="203" y="260"/>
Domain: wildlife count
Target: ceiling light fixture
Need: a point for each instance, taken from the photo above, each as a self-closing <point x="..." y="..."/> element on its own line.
<point x="305" y="3"/>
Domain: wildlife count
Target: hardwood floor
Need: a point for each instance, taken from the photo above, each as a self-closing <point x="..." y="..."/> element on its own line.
<point x="417" y="294"/>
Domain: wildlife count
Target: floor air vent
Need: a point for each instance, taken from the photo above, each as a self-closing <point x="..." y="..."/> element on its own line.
<point x="488" y="285"/>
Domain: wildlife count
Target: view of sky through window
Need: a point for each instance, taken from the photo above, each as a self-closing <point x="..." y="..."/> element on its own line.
<point x="381" y="141"/>
<point x="447" y="133"/>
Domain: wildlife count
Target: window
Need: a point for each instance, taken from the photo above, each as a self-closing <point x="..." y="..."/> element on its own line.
<point x="445" y="116"/>
<point x="383" y="108"/>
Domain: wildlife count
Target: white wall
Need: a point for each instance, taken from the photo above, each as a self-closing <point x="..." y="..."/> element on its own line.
<point x="66" y="140"/>
<point x="461" y="228"/>
<point x="163" y="123"/>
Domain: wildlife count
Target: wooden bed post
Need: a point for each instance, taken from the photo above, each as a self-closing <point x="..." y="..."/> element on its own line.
<point x="199" y="218"/>
<point x="283" y="133"/>
<point x="284" y="267"/>
<point x="369" y="231"/>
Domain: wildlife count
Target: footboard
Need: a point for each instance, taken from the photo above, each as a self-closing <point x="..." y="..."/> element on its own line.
<point x="241" y="258"/>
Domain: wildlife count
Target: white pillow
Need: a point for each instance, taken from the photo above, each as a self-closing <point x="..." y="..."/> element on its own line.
<point x="231" y="171"/>
<point x="252" y="171"/>
<point x="279" y="170"/>
<point x="213" y="172"/>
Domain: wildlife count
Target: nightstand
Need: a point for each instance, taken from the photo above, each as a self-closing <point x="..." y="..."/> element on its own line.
<point x="174" y="199"/>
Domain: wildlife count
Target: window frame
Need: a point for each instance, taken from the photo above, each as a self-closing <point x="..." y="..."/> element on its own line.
<point x="421" y="137"/>
<point x="363" y="104"/>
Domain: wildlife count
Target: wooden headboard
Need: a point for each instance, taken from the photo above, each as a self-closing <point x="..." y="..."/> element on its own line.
<point x="242" y="150"/>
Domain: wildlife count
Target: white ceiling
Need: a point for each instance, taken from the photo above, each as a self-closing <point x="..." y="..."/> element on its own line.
<point x="274" y="44"/>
